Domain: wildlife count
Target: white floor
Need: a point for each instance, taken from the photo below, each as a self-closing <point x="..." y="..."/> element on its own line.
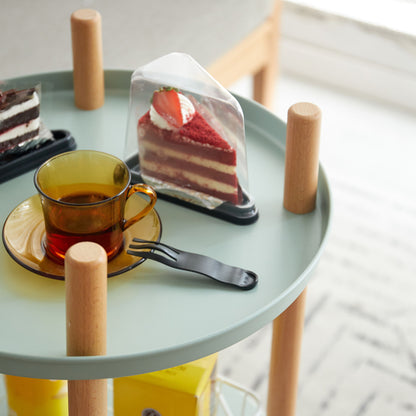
<point x="359" y="348"/>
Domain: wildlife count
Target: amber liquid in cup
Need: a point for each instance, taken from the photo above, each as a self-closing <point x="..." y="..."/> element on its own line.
<point x="92" y="216"/>
<point x="83" y="195"/>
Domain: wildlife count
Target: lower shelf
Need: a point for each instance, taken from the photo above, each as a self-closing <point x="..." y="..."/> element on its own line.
<point x="230" y="400"/>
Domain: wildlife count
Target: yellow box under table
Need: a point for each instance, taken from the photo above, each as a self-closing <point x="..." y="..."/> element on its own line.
<point x="184" y="390"/>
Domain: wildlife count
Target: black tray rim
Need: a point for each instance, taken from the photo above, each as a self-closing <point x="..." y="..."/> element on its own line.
<point x="31" y="159"/>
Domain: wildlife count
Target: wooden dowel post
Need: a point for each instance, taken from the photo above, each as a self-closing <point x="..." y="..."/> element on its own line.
<point x="301" y="184"/>
<point x="302" y="158"/>
<point x="88" y="73"/>
<point x="86" y="322"/>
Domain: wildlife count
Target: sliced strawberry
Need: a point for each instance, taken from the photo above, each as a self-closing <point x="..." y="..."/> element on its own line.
<point x="166" y="103"/>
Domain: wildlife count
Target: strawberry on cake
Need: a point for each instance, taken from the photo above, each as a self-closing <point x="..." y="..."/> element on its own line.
<point x="179" y="148"/>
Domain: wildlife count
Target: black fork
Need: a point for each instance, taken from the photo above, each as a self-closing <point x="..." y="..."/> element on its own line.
<point x="183" y="260"/>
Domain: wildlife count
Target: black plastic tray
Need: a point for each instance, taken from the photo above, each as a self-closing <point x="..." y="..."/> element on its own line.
<point x="16" y="165"/>
<point x="243" y="214"/>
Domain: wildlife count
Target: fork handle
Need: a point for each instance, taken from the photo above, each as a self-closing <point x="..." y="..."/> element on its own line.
<point x="197" y="263"/>
<point x="235" y="276"/>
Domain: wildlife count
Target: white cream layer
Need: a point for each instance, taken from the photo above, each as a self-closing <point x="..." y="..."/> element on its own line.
<point x="220" y="167"/>
<point x="192" y="177"/>
<point x="20" y="130"/>
<point x="20" y="108"/>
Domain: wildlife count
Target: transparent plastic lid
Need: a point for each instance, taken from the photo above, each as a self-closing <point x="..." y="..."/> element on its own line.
<point x="186" y="138"/>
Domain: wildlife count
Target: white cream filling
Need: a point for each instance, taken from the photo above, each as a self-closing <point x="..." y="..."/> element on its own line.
<point x="187" y="109"/>
<point x="158" y="120"/>
<point x="19" y="130"/>
<point x="195" y="178"/>
<point x="220" y="167"/>
<point x="20" y="108"/>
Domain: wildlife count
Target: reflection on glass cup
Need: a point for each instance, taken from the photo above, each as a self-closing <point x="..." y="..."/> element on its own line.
<point x="83" y="195"/>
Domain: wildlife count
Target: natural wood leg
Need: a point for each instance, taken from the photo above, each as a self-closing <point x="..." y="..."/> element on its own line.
<point x="87" y="57"/>
<point x="285" y="357"/>
<point x="86" y="322"/>
<point x="87" y="397"/>
<point x="301" y="184"/>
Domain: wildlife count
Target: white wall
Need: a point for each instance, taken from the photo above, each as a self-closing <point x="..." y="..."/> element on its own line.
<point x="349" y="45"/>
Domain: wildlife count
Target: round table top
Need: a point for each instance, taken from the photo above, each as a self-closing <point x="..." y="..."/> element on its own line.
<point x="160" y="317"/>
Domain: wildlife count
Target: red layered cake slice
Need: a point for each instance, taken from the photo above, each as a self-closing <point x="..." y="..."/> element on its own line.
<point x="19" y="118"/>
<point x="179" y="148"/>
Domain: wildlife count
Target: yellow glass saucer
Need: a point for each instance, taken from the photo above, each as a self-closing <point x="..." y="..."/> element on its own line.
<point x="24" y="231"/>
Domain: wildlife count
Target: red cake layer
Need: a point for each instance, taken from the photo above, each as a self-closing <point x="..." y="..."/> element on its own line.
<point x="194" y="139"/>
<point x="185" y="165"/>
<point x="184" y="182"/>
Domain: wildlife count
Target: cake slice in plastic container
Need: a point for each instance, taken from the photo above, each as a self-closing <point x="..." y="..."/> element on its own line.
<point x="186" y="138"/>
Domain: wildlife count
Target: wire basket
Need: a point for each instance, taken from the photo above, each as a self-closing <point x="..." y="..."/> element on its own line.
<point x="232" y="399"/>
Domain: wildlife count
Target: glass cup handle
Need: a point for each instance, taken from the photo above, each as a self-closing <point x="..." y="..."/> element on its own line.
<point x="144" y="189"/>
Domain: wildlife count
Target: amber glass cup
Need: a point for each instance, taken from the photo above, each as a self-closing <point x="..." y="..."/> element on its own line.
<point x="83" y="195"/>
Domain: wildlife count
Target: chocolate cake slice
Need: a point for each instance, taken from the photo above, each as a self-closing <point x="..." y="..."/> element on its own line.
<point x="19" y="118"/>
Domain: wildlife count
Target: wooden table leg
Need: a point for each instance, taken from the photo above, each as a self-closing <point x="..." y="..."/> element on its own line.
<point x="301" y="183"/>
<point x="87" y="56"/>
<point x="285" y="357"/>
<point x="86" y="322"/>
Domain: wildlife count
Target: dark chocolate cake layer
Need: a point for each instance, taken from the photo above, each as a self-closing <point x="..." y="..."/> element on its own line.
<point x="19" y="117"/>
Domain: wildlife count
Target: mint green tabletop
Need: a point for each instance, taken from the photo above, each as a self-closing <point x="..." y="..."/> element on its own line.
<point x="160" y="317"/>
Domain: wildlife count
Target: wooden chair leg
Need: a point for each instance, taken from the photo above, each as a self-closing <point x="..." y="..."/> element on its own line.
<point x="264" y="80"/>
<point x="256" y="55"/>
<point x="264" y="83"/>
<point x="301" y="184"/>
